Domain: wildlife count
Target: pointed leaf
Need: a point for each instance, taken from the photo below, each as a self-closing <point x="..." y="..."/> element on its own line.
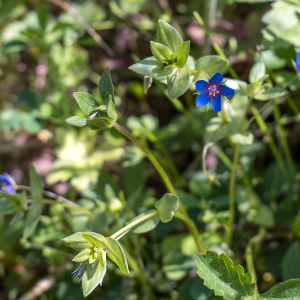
<point x="160" y="51"/>
<point x="211" y="64"/>
<point x="83" y="255"/>
<point x="168" y="36"/>
<point x="94" y="274"/>
<point x="23" y="200"/>
<point x="95" y="239"/>
<point x="115" y="253"/>
<point x="111" y="109"/>
<point x="32" y="219"/>
<point x="257" y="71"/>
<point x="76" y="121"/>
<point x="76" y="241"/>
<point x="86" y="102"/>
<point x="287" y="290"/>
<point x="222" y="276"/>
<point x="178" y="82"/>
<point x="100" y="122"/>
<point x="106" y="88"/>
<point x="270" y="93"/>
<point x="147" y="83"/>
<point x="37" y="185"/>
<point x="8" y="206"/>
<point x="166" y="206"/>
<point x="182" y="54"/>
<point x="146" y="225"/>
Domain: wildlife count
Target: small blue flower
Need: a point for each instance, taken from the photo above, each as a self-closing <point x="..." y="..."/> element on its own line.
<point x="80" y="270"/>
<point x="212" y="91"/>
<point x="7" y="184"/>
<point x="297" y="64"/>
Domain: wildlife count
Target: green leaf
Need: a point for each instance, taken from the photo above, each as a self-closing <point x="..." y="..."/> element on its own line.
<point x="264" y="216"/>
<point x="152" y="67"/>
<point x="83" y="255"/>
<point x="245" y="138"/>
<point x="94" y="274"/>
<point x="146" y="225"/>
<point x="160" y="51"/>
<point x="23" y="200"/>
<point x="100" y="122"/>
<point x="147" y="83"/>
<point x="106" y="88"/>
<point x="8" y="206"/>
<point x="95" y="239"/>
<point x="116" y="254"/>
<point x="291" y="262"/>
<point x="222" y="276"/>
<point x="32" y="219"/>
<point x="36" y="184"/>
<point x="111" y="109"/>
<point x="178" y="82"/>
<point x="42" y="13"/>
<point x="168" y="36"/>
<point x="76" y="241"/>
<point x="287" y="290"/>
<point x="270" y="93"/>
<point x="182" y="54"/>
<point x="257" y="71"/>
<point x="211" y="64"/>
<point x="166" y="206"/>
<point x="14" y="46"/>
<point x="86" y="102"/>
<point x="76" y="121"/>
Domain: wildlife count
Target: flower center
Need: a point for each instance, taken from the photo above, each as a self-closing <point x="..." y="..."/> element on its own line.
<point x="213" y="90"/>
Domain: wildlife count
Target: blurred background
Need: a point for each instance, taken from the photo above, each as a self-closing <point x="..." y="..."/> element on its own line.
<point x="50" y="49"/>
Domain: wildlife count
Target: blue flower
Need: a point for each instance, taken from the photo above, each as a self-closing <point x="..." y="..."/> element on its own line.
<point x="80" y="270"/>
<point x="212" y="91"/>
<point x="297" y="64"/>
<point x="7" y="184"/>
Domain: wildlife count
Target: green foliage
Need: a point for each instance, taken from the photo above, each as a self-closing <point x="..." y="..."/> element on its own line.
<point x="167" y="206"/>
<point x="211" y="64"/>
<point x="147" y="225"/>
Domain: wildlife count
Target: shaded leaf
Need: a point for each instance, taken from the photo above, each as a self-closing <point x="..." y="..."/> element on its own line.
<point x="106" y="88"/>
<point x="32" y="219"/>
<point x="160" y="51"/>
<point x="100" y="122"/>
<point x="178" y="82"/>
<point x="257" y="71"/>
<point x="182" y="54"/>
<point x="288" y="290"/>
<point x="211" y="64"/>
<point x="36" y="184"/>
<point x="166" y="206"/>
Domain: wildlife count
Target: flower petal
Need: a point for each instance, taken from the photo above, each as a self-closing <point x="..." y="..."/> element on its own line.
<point x="216" y="79"/>
<point x="201" y="85"/>
<point x="202" y="99"/>
<point x="298" y="62"/>
<point x="226" y="91"/>
<point x="216" y="103"/>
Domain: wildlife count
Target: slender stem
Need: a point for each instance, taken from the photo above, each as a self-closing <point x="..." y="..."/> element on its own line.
<point x="190" y="222"/>
<point x="288" y="84"/>
<point x="215" y="45"/>
<point x="163" y="175"/>
<point x="128" y="227"/>
<point x="231" y="191"/>
<point x="263" y="126"/>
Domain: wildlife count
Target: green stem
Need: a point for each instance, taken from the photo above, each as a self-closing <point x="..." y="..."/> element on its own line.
<point x="288" y="84"/>
<point x="231" y="191"/>
<point x="215" y="45"/>
<point x="192" y="225"/>
<point x="162" y="173"/>
<point x="128" y="227"/>
<point x="263" y="126"/>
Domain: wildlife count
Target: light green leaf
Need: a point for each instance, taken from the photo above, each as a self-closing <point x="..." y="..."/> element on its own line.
<point x="94" y="274"/>
<point x="76" y="241"/>
<point x="86" y="102"/>
<point x="111" y="109"/>
<point x="100" y="122"/>
<point x="13" y="197"/>
<point x="182" y="54"/>
<point x="211" y="64"/>
<point x="83" y="255"/>
<point x="23" y="200"/>
<point x="166" y="206"/>
<point x="178" y="82"/>
<point x="160" y="51"/>
<point x="257" y="71"/>
<point x="222" y="276"/>
<point x="245" y="138"/>
<point x="287" y="290"/>
<point x="32" y="219"/>
<point x="95" y="239"/>
<point x="106" y="88"/>
<point x="146" y="225"/>
<point x="270" y="93"/>
<point x="150" y="66"/>
<point x="168" y="36"/>
<point x="264" y="216"/>
<point x="76" y="121"/>
<point x="36" y="184"/>
<point x="8" y="206"/>
<point x="116" y="254"/>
